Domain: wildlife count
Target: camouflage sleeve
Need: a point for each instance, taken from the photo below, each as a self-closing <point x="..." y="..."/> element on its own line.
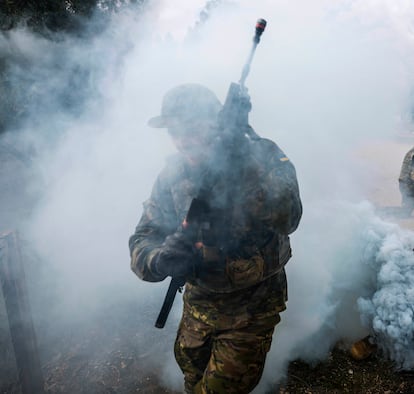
<point x="157" y="221"/>
<point x="406" y="179"/>
<point x="407" y="167"/>
<point x="277" y="200"/>
<point x="283" y="193"/>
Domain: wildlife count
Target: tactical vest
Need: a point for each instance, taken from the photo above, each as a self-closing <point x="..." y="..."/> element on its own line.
<point x="223" y="274"/>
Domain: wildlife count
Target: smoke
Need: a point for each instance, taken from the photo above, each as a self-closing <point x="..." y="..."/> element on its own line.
<point x="326" y="78"/>
<point x="356" y="283"/>
<point x="389" y="311"/>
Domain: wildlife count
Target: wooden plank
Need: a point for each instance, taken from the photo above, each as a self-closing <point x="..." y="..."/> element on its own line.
<point x="13" y="284"/>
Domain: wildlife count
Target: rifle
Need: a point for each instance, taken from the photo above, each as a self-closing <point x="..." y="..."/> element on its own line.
<point x="232" y="120"/>
<point x="235" y="112"/>
<point x="196" y="213"/>
<point x="176" y="284"/>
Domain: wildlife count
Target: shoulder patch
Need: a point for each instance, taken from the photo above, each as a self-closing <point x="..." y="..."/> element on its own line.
<point x="284" y="159"/>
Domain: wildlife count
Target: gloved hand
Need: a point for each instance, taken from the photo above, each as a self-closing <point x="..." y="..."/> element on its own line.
<point x="176" y="257"/>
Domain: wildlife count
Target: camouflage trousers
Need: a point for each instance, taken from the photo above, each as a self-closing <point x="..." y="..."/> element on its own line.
<point x="223" y="339"/>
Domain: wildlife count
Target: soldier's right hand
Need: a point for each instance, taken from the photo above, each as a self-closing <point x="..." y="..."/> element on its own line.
<point x="176" y="257"/>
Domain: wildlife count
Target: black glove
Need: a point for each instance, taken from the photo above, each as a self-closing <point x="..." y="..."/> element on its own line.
<point x="176" y="257"/>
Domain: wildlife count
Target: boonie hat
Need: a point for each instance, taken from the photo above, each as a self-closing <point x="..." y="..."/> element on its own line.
<point x="185" y="103"/>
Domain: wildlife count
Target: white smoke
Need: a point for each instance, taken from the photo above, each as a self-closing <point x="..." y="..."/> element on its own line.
<point x="389" y="311"/>
<point x="357" y="283"/>
<point x="326" y="78"/>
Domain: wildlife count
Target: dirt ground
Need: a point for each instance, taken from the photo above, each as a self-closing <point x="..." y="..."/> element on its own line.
<point x="340" y="373"/>
<point x="122" y="371"/>
<point x="83" y="365"/>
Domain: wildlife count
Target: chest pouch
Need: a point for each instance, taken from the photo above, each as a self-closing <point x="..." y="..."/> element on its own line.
<point x="245" y="272"/>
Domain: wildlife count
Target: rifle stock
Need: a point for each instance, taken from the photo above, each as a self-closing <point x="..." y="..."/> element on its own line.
<point x="176" y="284"/>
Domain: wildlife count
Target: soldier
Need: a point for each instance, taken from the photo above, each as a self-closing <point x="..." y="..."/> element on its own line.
<point x="406" y="182"/>
<point x="236" y="288"/>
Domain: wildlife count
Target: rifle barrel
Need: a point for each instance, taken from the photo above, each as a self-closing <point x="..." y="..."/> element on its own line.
<point x="260" y="27"/>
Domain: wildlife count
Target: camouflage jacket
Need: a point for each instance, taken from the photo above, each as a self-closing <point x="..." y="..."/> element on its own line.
<point x="407" y="169"/>
<point x="265" y="207"/>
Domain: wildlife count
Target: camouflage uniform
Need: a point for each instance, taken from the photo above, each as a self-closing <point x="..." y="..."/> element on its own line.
<point x="406" y="181"/>
<point x="232" y="306"/>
